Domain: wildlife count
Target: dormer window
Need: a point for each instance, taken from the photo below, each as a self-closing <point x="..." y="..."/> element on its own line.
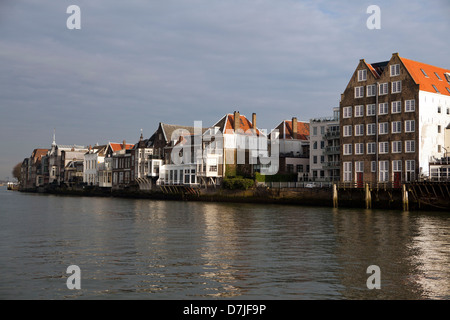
<point x="447" y="77"/>
<point x="424" y="73"/>
<point x="438" y="76"/>
<point x="435" y="88"/>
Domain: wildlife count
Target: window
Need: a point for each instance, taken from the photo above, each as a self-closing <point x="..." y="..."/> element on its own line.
<point x="410" y="146"/>
<point x="315" y="145"/>
<point x="439" y="148"/>
<point x="362" y="75"/>
<point x="383" y="108"/>
<point x="371" y="148"/>
<point x="383" y="88"/>
<point x="322" y="144"/>
<point x="447" y="90"/>
<point x="371" y="129"/>
<point x="299" y="168"/>
<point x="396" y="127"/>
<point x="373" y="166"/>
<point x="359" y="111"/>
<point x="396" y="146"/>
<point x="439" y="109"/>
<point x="322" y="159"/>
<point x="384" y="171"/>
<point x="439" y="129"/>
<point x="315" y="159"/>
<point x="347" y="112"/>
<point x="371" y="110"/>
<point x="437" y="76"/>
<point x="359" y="130"/>
<point x="213" y="168"/>
<point x="347" y="171"/>
<point x="410" y="166"/>
<point x="371" y="90"/>
<point x="396" y="107"/>
<point x="424" y="73"/>
<point x="383" y="128"/>
<point x="348" y="149"/>
<point x="359" y="92"/>
<point x="397" y="165"/>
<point x="383" y="147"/>
<point x="290" y="168"/>
<point x="448" y="109"/>
<point x="410" y="105"/>
<point x="410" y="125"/>
<point x="396" y="87"/>
<point x="347" y="131"/>
<point x="395" y="70"/>
<point x="436" y="89"/>
<point x="314" y="131"/>
<point x="359" y="148"/>
<point x="359" y="166"/>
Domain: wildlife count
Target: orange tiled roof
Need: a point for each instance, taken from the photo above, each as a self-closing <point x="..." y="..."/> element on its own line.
<point x="426" y="82"/>
<point x="302" y="130"/>
<point x="118" y="146"/>
<point x="245" y="124"/>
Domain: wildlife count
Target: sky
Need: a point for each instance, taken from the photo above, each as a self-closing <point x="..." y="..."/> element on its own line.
<point x="136" y="63"/>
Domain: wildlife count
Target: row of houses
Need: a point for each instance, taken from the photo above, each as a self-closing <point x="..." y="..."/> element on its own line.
<point x="392" y="126"/>
<point x="176" y="155"/>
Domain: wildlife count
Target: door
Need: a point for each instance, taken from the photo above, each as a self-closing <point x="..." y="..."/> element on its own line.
<point x="397" y="179"/>
<point x="359" y="180"/>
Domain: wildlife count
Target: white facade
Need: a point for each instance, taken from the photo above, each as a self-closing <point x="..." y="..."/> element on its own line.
<point x="92" y="161"/>
<point x="434" y="117"/>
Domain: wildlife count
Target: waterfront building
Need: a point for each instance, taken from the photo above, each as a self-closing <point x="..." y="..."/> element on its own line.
<point x="140" y="157"/>
<point x="392" y="119"/>
<point x="91" y="163"/>
<point x="294" y="148"/>
<point x="32" y="170"/>
<point x="121" y="164"/>
<point x="325" y="148"/>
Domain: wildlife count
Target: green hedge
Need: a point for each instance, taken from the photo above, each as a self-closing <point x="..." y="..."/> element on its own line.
<point x="290" y="177"/>
<point x="237" y="183"/>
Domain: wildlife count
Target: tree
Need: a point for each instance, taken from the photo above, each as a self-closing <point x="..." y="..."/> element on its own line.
<point x="16" y="171"/>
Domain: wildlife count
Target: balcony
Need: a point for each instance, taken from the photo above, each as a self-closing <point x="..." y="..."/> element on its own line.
<point x="332" y="150"/>
<point x="329" y="135"/>
<point x="332" y="165"/>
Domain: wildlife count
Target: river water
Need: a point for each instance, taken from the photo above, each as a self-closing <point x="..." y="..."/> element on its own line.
<point x="145" y="249"/>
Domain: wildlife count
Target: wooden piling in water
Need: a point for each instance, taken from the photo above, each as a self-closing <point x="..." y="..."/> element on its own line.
<point x="405" y="198"/>
<point x="335" y="196"/>
<point x="368" y="197"/>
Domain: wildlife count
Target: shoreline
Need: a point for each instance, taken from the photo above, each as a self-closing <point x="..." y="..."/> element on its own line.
<point x="390" y="199"/>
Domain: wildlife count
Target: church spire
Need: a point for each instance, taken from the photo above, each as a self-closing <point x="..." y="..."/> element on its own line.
<point x="54" y="138"/>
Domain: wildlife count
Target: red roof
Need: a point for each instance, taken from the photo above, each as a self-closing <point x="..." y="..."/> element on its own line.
<point x="119" y="146"/>
<point x="427" y="81"/>
<point x="302" y="130"/>
<point x="244" y="125"/>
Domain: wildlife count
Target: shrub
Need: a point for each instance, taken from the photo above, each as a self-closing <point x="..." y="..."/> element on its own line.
<point x="237" y="183"/>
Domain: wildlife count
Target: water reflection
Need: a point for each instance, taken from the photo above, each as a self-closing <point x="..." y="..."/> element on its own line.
<point x="142" y="249"/>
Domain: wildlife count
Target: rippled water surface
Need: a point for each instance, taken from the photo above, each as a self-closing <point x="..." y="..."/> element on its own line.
<point x="143" y="249"/>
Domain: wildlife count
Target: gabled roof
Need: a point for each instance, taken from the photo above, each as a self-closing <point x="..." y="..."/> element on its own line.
<point x="119" y="146"/>
<point x="286" y="132"/>
<point x="37" y="154"/>
<point x="226" y="124"/>
<point x="430" y="78"/>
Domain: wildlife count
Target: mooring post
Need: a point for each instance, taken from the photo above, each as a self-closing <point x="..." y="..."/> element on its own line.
<point x="368" y="197"/>
<point x="335" y="196"/>
<point x="405" y="198"/>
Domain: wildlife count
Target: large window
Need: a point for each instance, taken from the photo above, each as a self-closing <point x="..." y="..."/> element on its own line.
<point x="410" y="105"/>
<point x="348" y="149"/>
<point x="383" y="128"/>
<point x="371" y="148"/>
<point x="371" y="110"/>
<point x="383" y="88"/>
<point x="347" y="112"/>
<point x="396" y="146"/>
<point x="371" y="129"/>
<point x="396" y="127"/>
<point x="396" y="107"/>
<point x="396" y="86"/>
<point x="359" y="92"/>
<point x="410" y="125"/>
<point x="410" y="146"/>
<point x="362" y="75"/>
<point x="383" y="147"/>
<point x="395" y="70"/>
<point x="384" y="171"/>
<point x="347" y="171"/>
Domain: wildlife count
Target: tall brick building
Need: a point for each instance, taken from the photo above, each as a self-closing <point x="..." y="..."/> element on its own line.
<point x="393" y="116"/>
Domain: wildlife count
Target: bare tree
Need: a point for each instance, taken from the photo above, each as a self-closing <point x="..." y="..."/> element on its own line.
<point x="16" y="171"/>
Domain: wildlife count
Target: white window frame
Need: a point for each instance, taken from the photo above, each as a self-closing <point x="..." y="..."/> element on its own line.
<point x="383" y="128"/>
<point x="396" y="107"/>
<point x="410" y="146"/>
<point x="371" y="129"/>
<point x="362" y="75"/>
<point x="396" y="165"/>
<point x="359" y="148"/>
<point x="383" y="172"/>
<point x="359" y="111"/>
<point x="396" y="127"/>
<point x="347" y="131"/>
<point x="371" y="90"/>
<point x="371" y="147"/>
<point x="359" y="92"/>
<point x="371" y="109"/>
<point x="396" y="146"/>
<point x="359" y="166"/>
<point x="383" y="89"/>
<point x="347" y="112"/>
<point x="359" y="130"/>
<point x="347" y="171"/>
<point x="410" y="125"/>
<point x="396" y="86"/>
<point x="410" y="105"/>
<point x="383" y="108"/>
<point x="395" y="70"/>
<point x="373" y="166"/>
<point x="383" y="147"/>
<point x="348" y="149"/>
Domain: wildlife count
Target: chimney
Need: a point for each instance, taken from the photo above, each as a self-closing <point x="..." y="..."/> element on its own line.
<point x="294" y="128"/>
<point x="254" y="120"/>
<point x="237" y="121"/>
<point x="124" y="145"/>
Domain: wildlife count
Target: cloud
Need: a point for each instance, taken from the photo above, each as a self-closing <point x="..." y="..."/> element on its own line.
<point x="135" y="63"/>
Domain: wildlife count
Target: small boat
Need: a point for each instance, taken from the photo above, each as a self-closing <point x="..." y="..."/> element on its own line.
<point x="13" y="186"/>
